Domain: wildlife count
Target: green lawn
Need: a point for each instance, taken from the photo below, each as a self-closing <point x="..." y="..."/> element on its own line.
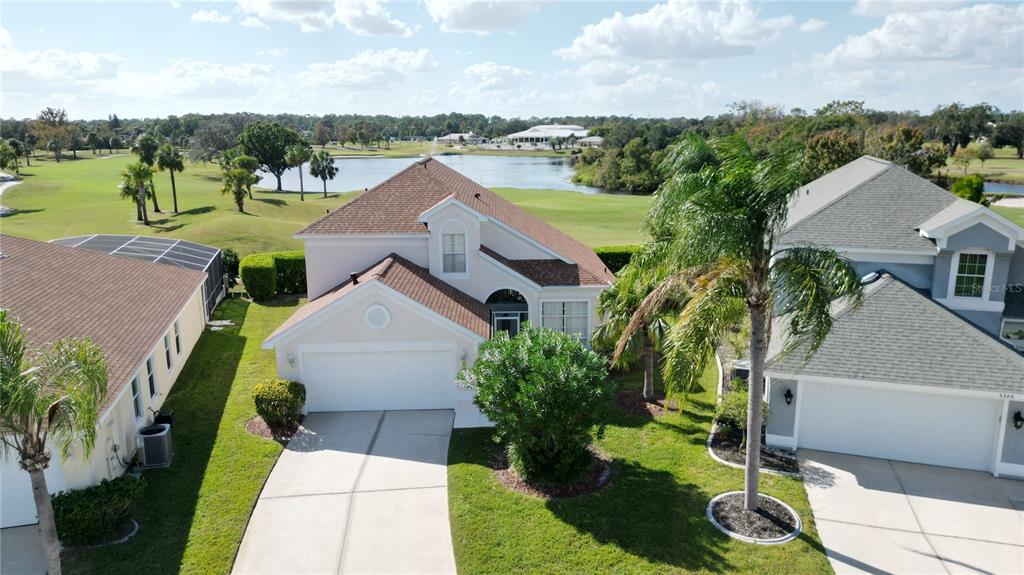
<point x="195" y="512"/>
<point x="1015" y="215"/>
<point x="81" y="197"/>
<point x="649" y="519"/>
<point x="1005" y="167"/>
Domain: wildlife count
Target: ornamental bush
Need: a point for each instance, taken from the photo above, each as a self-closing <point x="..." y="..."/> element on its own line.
<point x="616" y="257"/>
<point x="280" y="402"/>
<point x="545" y="394"/>
<point x="96" y="514"/>
<point x="291" y="271"/>
<point x="731" y="412"/>
<point x="259" y="275"/>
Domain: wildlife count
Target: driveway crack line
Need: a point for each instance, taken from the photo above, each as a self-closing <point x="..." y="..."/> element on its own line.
<point x="355" y="487"/>
<point x="916" y="519"/>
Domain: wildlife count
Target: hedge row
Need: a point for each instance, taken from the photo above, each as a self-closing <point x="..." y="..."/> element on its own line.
<point x="616" y="257"/>
<point x="269" y="274"/>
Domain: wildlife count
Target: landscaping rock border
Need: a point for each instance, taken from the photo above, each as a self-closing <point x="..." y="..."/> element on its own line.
<point x="596" y="477"/>
<point x="124" y="539"/>
<point x="797" y="523"/>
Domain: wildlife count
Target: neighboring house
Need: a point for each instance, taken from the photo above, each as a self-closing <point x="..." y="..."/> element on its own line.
<point x="929" y="369"/>
<point x="460" y="138"/>
<point x="408" y="279"/>
<point x="543" y="133"/>
<point x="146" y="317"/>
<point x="591" y="142"/>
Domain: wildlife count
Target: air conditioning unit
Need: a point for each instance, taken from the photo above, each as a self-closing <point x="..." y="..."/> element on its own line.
<point x="155" y="442"/>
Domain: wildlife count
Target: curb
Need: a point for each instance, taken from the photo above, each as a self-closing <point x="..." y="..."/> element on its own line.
<point x="776" y="541"/>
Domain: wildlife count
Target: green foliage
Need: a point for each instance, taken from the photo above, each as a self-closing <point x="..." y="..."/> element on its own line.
<point x="982" y="151"/>
<point x="544" y="392"/>
<point x="98" y="513"/>
<point x="970" y="188"/>
<point x="279" y="402"/>
<point x="1010" y="132"/>
<point x="291" y="271"/>
<point x="230" y="259"/>
<point x="829" y="150"/>
<point x="616" y="257"/>
<point x="268" y="142"/>
<point x="731" y="412"/>
<point x="259" y="276"/>
<point x="903" y="145"/>
<point x="8" y="156"/>
<point x="321" y="165"/>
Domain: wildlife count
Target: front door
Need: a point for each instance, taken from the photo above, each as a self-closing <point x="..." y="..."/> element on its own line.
<point x="509" y="324"/>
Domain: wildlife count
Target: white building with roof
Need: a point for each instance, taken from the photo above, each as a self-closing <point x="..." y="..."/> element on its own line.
<point x="459" y="138"/>
<point x="543" y="133"/>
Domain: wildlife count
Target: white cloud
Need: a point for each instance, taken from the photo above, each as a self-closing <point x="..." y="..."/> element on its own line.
<point x="979" y="35"/>
<point x="880" y="8"/>
<point x="678" y="30"/>
<point x="187" y="78"/>
<point x="461" y="52"/>
<point x="494" y="76"/>
<point x="368" y="69"/>
<point x="273" y="52"/>
<point x="479" y="16"/>
<point x="309" y="15"/>
<point x="210" y="16"/>
<point x="813" y="25"/>
<point x="601" y="73"/>
<point x="253" y="22"/>
<point x="175" y="4"/>
<point x="53" y="65"/>
<point x="369" y="18"/>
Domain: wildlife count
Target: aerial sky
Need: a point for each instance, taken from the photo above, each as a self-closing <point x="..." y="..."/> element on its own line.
<point x="508" y="58"/>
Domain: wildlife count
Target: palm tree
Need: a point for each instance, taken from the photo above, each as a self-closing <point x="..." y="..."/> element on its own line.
<point x="249" y="164"/>
<point x="618" y="304"/>
<point x="168" y="157"/>
<point x="137" y="183"/>
<point x="146" y="147"/>
<point x="322" y="166"/>
<point x="236" y="182"/>
<point x="56" y="395"/>
<point x="297" y="155"/>
<point x="721" y="213"/>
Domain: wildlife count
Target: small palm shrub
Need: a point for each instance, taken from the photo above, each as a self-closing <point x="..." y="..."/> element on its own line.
<point x="96" y="514"/>
<point x="280" y="402"/>
<point x="545" y="394"/>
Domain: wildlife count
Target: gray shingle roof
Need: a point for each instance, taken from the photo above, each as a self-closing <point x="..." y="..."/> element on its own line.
<point x="901" y="336"/>
<point x="868" y="204"/>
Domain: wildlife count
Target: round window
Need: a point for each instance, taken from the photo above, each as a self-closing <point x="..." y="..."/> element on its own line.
<point x="377" y="316"/>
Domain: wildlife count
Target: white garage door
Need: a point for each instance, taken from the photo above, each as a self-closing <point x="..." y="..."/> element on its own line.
<point x="17" y="507"/>
<point x="953" y="431"/>
<point x="363" y="381"/>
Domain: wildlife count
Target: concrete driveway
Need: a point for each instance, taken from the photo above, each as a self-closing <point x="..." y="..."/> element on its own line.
<point x="356" y="492"/>
<point x="881" y="516"/>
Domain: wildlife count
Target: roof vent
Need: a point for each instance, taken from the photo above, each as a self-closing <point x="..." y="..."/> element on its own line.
<point x="476" y="195"/>
<point x="869" y="278"/>
<point x="354" y="276"/>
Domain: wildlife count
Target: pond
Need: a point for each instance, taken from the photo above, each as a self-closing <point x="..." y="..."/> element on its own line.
<point x="536" y="172"/>
<point x="1001" y="188"/>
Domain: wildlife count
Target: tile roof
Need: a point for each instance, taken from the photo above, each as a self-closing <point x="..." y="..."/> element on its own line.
<point x="123" y="305"/>
<point x="394" y="206"/>
<point x="547" y="272"/>
<point x="415" y="283"/>
<point x="868" y="204"/>
<point x="900" y="335"/>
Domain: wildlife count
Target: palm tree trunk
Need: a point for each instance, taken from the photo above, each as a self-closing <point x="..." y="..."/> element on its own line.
<point x="755" y="387"/>
<point x="142" y="205"/>
<point x="174" y="191"/>
<point x="302" y="190"/>
<point x="648" y="367"/>
<point x="156" y="204"/>
<point x="325" y="188"/>
<point x="47" y="525"/>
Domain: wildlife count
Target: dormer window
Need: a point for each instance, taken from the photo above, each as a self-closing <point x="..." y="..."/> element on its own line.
<point x="453" y="253"/>
<point x="972" y="274"/>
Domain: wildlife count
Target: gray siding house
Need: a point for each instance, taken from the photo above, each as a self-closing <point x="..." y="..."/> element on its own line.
<point x="929" y="369"/>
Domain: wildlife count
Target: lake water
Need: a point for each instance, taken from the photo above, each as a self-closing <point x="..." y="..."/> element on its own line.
<point x="490" y="171"/>
<point x="1000" y="188"/>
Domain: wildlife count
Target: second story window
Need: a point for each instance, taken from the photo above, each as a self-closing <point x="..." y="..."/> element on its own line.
<point x="970" y="275"/>
<point x="453" y="252"/>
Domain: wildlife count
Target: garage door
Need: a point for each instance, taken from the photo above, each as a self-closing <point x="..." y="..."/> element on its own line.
<point x="16" y="504"/>
<point x="953" y="431"/>
<point x="362" y="381"/>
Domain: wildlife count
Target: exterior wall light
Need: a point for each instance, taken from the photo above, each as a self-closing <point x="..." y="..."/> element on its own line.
<point x="788" y="396"/>
<point x="1018" y="420"/>
<point x="291" y="359"/>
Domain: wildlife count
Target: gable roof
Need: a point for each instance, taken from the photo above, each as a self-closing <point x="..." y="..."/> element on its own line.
<point x="868" y="204"/>
<point x="410" y="280"/>
<point x="547" y="272"/>
<point x="890" y="338"/>
<point x="394" y="207"/>
<point x="124" y="305"/>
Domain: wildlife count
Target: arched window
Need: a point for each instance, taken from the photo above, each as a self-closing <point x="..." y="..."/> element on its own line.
<point x="509" y="311"/>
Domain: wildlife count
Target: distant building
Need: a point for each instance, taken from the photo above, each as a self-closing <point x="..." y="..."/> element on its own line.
<point x="590" y="142"/>
<point x="541" y="134"/>
<point x="457" y="138"/>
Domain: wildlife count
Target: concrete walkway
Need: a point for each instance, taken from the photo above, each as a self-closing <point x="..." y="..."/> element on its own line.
<point x="879" y="516"/>
<point x="356" y="492"/>
<point x="21" y="551"/>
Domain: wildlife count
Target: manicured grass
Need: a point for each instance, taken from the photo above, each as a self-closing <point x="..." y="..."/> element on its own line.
<point x="649" y="519"/>
<point x="81" y="197"/>
<point x="1005" y="167"/>
<point x="1015" y="215"/>
<point x="195" y="512"/>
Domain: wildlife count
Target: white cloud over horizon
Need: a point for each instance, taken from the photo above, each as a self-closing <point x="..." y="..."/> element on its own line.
<point x="368" y="69"/>
<point x="482" y="17"/>
<point x="210" y="17"/>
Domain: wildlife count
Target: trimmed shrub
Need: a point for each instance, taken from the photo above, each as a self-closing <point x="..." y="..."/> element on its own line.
<point x="545" y="394"/>
<point x="259" y="275"/>
<point x="280" y="402"/>
<point x="616" y="257"/>
<point x="731" y="412"/>
<point x="230" y="259"/>
<point x="96" y="514"/>
<point x="291" y="271"/>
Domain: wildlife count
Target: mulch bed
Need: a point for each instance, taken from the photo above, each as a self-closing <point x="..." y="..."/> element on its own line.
<point x="771" y="520"/>
<point x="257" y="426"/>
<point x="726" y="445"/>
<point x="632" y="402"/>
<point x="597" y="476"/>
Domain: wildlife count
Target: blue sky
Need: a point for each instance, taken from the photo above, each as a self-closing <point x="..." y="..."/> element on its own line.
<point x="673" y="58"/>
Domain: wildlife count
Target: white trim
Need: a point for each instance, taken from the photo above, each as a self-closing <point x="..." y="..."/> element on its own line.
<point x="774" y="541"/>
<point x="449" y="200"/>
<point x="997" y="456"/>
<point x="377" y="347"/>
<point x="888" y="256"/>
<point x="971" y="304"/>
<point x="588" y="330"/>
<point x="1002" y="328"/>
<point x="464" y="232"/>
<point x="309" y="237"/>
<point x="504" y="268"/>
<point x="896" y="386"/>
<point x="984" y="216"/>
<point x="966" y="302"/>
